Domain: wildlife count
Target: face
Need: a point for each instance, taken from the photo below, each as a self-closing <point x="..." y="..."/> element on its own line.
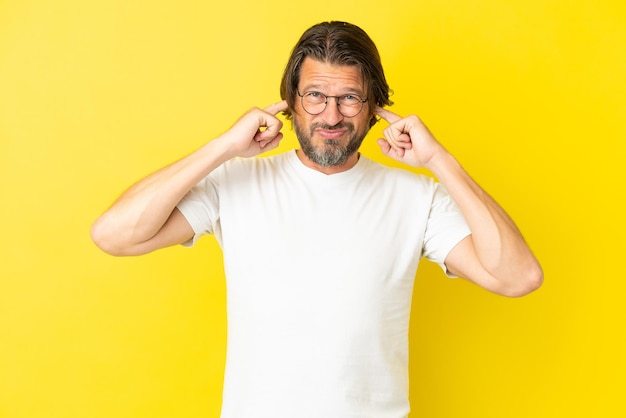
<point x="330" y="139"/>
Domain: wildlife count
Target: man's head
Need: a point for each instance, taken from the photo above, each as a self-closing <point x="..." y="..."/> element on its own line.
<point x="338" y="43"/>
<point x="332" y="83"/>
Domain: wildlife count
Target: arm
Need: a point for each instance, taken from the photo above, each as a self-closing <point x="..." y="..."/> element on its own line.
<point x="145" y="218"/>
<point x="495" y="256"/>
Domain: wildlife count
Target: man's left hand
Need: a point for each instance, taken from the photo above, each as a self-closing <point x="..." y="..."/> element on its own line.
<point x="408" y="140"/>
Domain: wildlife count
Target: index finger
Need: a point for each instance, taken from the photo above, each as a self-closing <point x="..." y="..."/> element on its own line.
<point x="277" y="107"/>
<point x="388" y="115"/>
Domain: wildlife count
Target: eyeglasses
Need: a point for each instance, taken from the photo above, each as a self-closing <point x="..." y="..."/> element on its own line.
<point x="314" y="103"/>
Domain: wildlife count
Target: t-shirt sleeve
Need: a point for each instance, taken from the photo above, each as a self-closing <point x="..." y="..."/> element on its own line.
<point x="446" y="227"/>
<point x="200" y="207"/>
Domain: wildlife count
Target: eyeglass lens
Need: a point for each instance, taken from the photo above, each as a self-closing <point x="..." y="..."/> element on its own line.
<point x="349" y="105"/>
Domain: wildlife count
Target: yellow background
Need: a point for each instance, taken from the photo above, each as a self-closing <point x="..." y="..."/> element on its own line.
<point x="528" y="94"/>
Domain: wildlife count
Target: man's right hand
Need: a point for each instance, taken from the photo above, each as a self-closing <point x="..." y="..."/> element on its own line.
<point x="144" y="218"/>
<point x="256" y="132"/>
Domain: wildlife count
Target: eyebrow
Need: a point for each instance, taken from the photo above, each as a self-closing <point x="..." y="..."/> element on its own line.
<point x="318" y="87"/>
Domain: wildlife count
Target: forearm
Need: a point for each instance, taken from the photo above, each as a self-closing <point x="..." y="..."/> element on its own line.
<point x="141" y="211"/>
<point x="499" y="245"/>
<point x="144" y="217"/>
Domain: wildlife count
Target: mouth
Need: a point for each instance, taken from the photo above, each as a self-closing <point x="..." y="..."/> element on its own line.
<point x="330" y="134"/>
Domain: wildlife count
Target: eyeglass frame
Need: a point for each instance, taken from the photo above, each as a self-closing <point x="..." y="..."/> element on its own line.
<point x="363" y="101"/>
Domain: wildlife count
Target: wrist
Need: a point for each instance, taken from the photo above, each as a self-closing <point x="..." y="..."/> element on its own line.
<point x="441" y="162"/>
<point x="222" y="148"/>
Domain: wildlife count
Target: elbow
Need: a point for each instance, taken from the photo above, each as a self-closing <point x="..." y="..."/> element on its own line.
<point x="104" y="239"/>
<point x="531" y="280"/>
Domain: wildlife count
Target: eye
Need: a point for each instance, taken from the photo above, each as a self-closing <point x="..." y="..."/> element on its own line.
<point x="315" y="97"/>
<point x="350" y="99"/>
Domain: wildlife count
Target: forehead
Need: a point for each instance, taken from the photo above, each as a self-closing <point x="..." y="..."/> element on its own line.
<point x="322" y="75"/>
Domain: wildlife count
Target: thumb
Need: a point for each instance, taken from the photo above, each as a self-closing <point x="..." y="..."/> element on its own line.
<point x="271" y="143"/>
<point x="384" y="146"/>
<point x="389" y="151"/>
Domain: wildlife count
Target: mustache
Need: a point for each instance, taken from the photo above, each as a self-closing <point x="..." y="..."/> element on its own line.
<point x="341" y="125"/>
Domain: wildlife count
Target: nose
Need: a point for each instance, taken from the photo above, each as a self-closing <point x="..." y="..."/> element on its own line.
<point x="331" y="114"/>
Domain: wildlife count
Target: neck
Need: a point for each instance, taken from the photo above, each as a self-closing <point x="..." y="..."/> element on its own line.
<point x="332" y="169"/>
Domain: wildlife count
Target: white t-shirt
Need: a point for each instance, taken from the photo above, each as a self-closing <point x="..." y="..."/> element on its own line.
<point x="320" y="271"/>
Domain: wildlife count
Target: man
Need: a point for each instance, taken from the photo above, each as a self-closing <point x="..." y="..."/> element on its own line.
<point x="321" y="244"/>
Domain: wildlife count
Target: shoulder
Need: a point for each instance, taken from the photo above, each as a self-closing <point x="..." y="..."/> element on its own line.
<point x="275" y="160"/>
<point x="238" y="171"/>
<point x="253" y="164"/>
<point x="395" y="175"/>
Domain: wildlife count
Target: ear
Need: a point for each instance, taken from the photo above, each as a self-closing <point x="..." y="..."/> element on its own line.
<point x="373" y="118"/>
<point x="287" y="113"/>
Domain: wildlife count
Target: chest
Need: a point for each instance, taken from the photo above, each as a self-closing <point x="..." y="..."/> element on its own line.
<point x="361" y="222"/>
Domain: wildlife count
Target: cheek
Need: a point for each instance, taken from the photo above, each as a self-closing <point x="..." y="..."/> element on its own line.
<point x="303" y="119"/>
<point x="299" y="115"/>
<point x="364" y="122"/>
<point x="299" y="123"/>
